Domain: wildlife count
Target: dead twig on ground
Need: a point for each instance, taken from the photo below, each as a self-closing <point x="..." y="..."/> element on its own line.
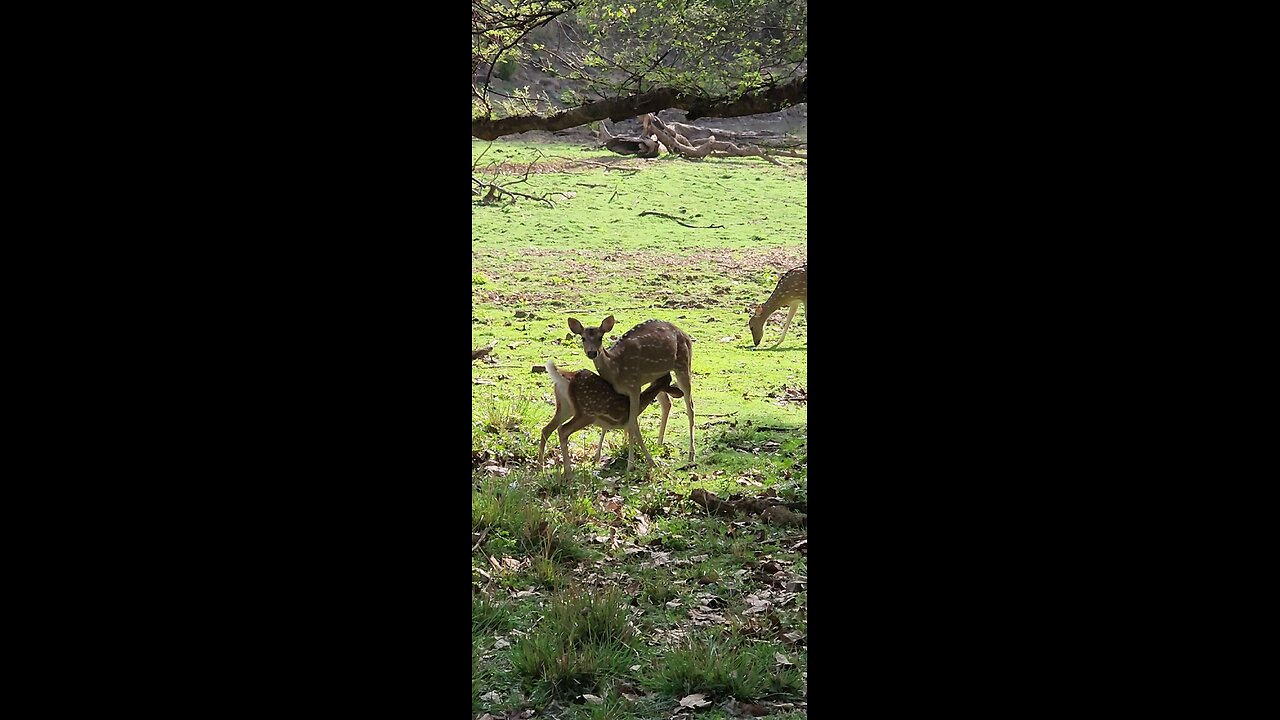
<point x="483" y="534"/>
<point x="671" y="217"/>
<point x="495" y="192"/>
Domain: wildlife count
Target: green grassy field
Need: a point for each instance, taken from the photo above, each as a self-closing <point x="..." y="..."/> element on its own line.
<point x="615" y="595"/>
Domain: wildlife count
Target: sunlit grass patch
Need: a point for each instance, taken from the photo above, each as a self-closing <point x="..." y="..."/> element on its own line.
<point x="489" y="617"/>
<point x="724" y="669"/>
<point x="582" y="641"/>
<point x="541" y="536"/>
<point x="493" y="501"/>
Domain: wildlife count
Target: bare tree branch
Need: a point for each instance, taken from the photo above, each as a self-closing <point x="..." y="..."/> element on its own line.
<point x="617" y="109"/>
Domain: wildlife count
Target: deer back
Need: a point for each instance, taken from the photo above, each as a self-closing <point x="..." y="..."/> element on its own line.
<point x="792" y="286"/>
<point x="645" y="353"/>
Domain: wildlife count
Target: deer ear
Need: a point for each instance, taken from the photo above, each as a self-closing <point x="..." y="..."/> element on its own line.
<point x="607" y="325"/>
<point x="575" y="326"/>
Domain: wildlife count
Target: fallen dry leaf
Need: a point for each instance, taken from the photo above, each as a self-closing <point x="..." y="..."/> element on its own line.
<point x="592" y="699"/>
<point x="782" y="659"/>
<point x="695" y="700"/>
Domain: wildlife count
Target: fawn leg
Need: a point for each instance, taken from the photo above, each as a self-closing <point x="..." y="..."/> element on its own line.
<point x="600" y="448"/>
<point x="562" y="413"/>
<point x="665" y="402"/>
<point x="566" y="430"/>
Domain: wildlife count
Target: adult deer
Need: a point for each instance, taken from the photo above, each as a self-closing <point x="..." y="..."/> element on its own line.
<point x="792" y="290"/>
<point x="592" y="401"/>
<point x="643" y="354"/>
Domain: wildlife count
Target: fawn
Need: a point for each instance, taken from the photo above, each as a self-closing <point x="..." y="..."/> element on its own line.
<point x="592" y="401"/>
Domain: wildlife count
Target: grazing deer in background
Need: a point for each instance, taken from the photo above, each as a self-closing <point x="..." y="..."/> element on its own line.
<point x="643" y="354"/>
<point x="592" y="401"/>
<point x="793" y="290"/>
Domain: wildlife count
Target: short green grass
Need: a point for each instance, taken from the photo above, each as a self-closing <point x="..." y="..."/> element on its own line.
<point x="614" y="595"/>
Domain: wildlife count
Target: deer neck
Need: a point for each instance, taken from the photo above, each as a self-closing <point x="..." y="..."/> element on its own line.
<point x="770" y="306"/>
<point x="606" y="365"/>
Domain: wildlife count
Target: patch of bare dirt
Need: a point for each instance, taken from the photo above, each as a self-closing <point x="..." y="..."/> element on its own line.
<point x="561" y="164"/>
<point x="742" y="264"/>
<point x="738" y="262"/>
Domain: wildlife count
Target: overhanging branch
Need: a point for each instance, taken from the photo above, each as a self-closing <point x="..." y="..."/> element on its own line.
<point x="618" y="109"/>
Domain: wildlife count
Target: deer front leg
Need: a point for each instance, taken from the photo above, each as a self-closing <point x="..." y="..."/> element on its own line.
<point x="633" y="427"/>
<point x="787" y="323"/>
<point x="684" y="381"/>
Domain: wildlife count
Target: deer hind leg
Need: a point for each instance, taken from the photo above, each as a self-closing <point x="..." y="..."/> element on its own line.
<point x="790" y="314"/>
<point x="564" y="411"/>
<point x="684" y="382"/>
<point x="566" y="430"/>
<point x="665" y="402"/>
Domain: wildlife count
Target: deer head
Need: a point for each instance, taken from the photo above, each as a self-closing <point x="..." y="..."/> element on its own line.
<point x="592" y="337"/>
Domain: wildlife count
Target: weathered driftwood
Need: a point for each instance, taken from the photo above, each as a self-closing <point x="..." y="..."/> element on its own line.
<point x="659" y="136"/>
<point x="629" y="145"/>
<point x="763" y="138"/>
